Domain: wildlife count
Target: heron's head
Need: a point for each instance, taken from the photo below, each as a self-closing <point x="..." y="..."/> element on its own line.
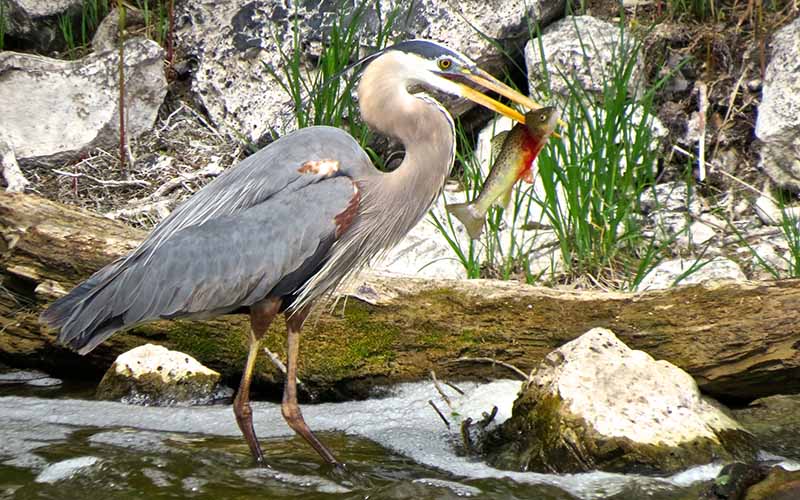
<point x="433" y="65"/>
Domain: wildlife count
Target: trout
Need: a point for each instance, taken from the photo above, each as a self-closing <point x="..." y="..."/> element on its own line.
<point x="518" y="148"/>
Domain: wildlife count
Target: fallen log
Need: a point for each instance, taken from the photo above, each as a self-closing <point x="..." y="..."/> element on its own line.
<point x="739" y="340"/>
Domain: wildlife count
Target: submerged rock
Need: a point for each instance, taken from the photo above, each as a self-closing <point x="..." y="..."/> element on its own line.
<point x="154" y="375"/>
<point x="594" y="403"/>
<point x="66" y="469"/>
<point x="780" y="484"/>
<point x="733" y="480"/>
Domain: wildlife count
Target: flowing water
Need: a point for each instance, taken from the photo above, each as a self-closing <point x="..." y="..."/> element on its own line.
<point x="55" y="442"/>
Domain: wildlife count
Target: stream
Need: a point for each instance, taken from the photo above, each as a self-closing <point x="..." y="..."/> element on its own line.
<point x="56" y="442"/>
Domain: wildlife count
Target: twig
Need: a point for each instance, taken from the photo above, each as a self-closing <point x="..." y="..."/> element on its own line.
<point x="121" y="12"/>
<point x="210" y="170"/>
<point x="160" y="208"/>
<point x="444" y="419"/>
<point x="494" y="362"/>
<point x="280" y="366"/>
<point x="488" y="418"/>
<point x="454" y="387"/>
<point x="111" y="183"/>
<point x="439" y="390"/>
<point x="731" y="177"/>
<point x="702" y="105"/>
<point x="465" y="437"/>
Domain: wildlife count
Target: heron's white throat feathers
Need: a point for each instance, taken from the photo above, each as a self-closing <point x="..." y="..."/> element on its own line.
<point x="391" y="204"/>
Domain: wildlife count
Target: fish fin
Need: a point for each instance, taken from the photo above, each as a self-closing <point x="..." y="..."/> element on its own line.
<point x="497" y="143"/>
<point x="470" y="216"/>
<point x="527" y="176"/>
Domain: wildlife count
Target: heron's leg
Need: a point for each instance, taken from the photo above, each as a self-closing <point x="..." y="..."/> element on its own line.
<point x="289" y="407"/>
<point x="261" y="315"/>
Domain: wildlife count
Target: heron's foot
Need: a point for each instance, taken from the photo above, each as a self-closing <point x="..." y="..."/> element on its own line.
<point x="345" y="475"/>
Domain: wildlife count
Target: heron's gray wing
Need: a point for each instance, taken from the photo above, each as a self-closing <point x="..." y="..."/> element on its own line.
<point x="217" y="266"/>
<point x="260" y="176"/>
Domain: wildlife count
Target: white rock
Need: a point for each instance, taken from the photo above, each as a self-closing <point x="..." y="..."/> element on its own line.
<point x="664" y="274"/>
<point x="424" y="252"/>
<point x="54" y="109"/>
<point x="154" y="375"/>
<point x="66" y="469"/>
<point x="672" y="197"/>
<point x="771" y="214"/>
<point x="620" y="392"/>
<point x="564" y="43"/>
<point x="778" y="123"/>
<point x="231" y="80"/>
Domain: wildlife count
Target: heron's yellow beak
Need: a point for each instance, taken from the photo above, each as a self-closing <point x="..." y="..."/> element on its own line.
<point x="487" y="81"/>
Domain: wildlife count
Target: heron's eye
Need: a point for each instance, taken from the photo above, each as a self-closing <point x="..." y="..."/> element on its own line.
<point x="445" y="63"/>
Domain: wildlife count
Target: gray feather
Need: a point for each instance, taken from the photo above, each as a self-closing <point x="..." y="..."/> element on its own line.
<point x="225" y="247"/>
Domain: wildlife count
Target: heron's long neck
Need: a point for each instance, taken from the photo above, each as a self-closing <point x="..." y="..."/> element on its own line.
<point x="427" y="133"/>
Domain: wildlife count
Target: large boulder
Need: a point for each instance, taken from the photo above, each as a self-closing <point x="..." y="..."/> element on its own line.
<point x="35" y="23"/>
<point x="53" y="110"/>
<point x="778" y="123"/>
<point x="234" y="43"/>
<point x="594" y="403"/>
<point x="155" y="375"/>
<point x="579" y="50"/>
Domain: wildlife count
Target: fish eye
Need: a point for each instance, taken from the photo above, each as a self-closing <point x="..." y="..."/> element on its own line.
<point x="445" y="63"/>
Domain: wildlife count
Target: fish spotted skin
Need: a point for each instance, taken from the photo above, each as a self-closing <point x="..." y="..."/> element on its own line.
<point x="520" y="147"/>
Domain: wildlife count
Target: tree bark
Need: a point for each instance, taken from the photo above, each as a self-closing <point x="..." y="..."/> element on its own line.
<point x="739" y="340"/>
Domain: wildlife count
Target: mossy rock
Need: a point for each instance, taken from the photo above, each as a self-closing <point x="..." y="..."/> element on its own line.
<point x="596" y="404"/>
<point x="154" y="375"/>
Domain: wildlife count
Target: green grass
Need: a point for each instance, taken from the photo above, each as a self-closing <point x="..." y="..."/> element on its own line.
<point x="77" y="32"/>
<point x="790" y="230"/>
<point x="320" y="95"/>
<point x="2" y="26"/>
<point x="593" y="183"/>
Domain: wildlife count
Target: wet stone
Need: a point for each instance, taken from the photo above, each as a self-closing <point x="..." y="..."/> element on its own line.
<point x="66" y="469"/>
<point x="22" y="376"/>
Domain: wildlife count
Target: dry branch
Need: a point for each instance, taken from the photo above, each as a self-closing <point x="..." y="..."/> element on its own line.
<point x="739" y="340"/>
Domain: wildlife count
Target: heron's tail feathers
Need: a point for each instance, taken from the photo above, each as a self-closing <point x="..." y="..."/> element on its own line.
<point x="83" y="316"/>
<point x="470" y="216"/>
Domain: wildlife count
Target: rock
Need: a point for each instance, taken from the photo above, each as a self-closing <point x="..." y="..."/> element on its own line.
<point x="35" y="23"/>
<point x="778" y="122"/>
<point x="66" y="469"/>
<point x="594" y="403"/>
<point x="564" y="43"/>
<point x="21" y="376"/>
<point x="231" y="80"/>
<point x="671" y="197"/>
<point x="672" y="210"/>
<point x="733" y="480"/>
<point x="690" y="272"/>
<point x="771" y="214"/>
<point x="773" y="420"/>
<point x="780" y="484"/>
<point x="424" y="252"/>
<point x="154" y="375"/>
<point x="15" y="180"/>
<point x="53" y="110"/>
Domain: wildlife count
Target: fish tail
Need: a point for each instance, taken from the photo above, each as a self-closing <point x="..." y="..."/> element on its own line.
<point x="470" y="216"/>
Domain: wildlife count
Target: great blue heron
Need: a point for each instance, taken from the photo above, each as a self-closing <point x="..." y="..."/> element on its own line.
<point x="285" y="226"/>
